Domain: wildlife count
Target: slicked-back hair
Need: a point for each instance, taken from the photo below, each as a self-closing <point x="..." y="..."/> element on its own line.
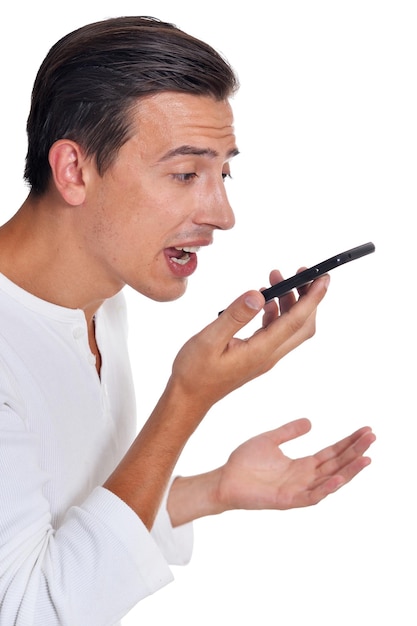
<point x="90" y="80"/>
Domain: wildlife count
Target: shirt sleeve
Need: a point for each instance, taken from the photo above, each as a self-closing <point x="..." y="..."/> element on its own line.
<point x="91" y="570"/>
<point x="176" y="544"/>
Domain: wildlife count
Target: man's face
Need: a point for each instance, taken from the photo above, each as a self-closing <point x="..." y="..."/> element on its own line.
<point x="164" y="195"/>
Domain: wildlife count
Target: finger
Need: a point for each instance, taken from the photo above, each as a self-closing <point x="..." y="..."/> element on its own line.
<point x="271" y="308"/>
<point x="237" y="315"/>
<point x="289" y="431"/>
<point x="324" y="489"/>
<point x="330" y="484"/>
<point x="271" y="312"/>
<point x="353" y="468"/>
<point x="335" y="450"/>
<point x="275" y="277"/>
<point x="293" y="327"/>
<point x="304" y="289"/>
<point x="344" y="462"/>
<point x="285" y="302"/>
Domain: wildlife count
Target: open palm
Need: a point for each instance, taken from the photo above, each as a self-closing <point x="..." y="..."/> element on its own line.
<point x="258" y="475"/>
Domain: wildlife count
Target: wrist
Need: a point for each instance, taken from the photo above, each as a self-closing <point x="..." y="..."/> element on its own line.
<point x="190" y="405"/>
<point x="193" y="497"/>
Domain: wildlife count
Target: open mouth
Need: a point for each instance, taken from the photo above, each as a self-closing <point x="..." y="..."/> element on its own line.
<point x="183" y="255"/>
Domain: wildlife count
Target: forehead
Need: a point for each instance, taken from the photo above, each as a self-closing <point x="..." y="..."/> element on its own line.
<point x="167" y="120"/>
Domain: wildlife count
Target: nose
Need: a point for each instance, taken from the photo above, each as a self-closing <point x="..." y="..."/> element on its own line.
<point x="215" y="209"/>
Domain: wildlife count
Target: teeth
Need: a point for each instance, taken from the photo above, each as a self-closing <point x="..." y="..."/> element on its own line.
<point x="182" y="261"/>
<point x="189" y="248"/>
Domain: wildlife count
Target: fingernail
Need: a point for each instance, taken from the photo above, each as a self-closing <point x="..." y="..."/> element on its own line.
<point x="253" y="302"/>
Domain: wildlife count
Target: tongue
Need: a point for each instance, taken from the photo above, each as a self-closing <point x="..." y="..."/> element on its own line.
<point x="177" y="254"/>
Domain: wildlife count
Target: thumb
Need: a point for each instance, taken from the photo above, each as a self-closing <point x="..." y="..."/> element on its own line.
<point x="240" y="312"/>
<point x="290" y="431"/>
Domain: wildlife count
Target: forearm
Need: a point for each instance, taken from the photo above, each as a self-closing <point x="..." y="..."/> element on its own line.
<point x="141" y="478"/>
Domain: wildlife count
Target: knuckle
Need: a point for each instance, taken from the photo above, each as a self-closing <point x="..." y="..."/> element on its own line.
<point x="239" y="318"/>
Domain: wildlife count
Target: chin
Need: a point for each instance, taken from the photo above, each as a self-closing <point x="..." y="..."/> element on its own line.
<point x="168" y="294"/>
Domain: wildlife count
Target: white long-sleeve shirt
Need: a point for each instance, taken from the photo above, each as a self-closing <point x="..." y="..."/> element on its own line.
<point x="71" y="552"/>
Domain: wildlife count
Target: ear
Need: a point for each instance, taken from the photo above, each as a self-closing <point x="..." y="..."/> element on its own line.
<point x="67" y="162"/>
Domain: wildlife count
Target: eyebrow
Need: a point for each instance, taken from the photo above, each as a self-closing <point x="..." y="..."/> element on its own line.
<point x="193" y="150"/>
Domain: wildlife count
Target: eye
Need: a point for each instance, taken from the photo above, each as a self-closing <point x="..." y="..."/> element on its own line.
<point x="185" y="178"/>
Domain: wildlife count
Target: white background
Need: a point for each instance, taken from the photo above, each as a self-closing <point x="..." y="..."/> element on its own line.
<point x="326" y="124"/>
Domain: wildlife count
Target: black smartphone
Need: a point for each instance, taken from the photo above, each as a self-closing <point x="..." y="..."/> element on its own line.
<point x="310" y="274"/>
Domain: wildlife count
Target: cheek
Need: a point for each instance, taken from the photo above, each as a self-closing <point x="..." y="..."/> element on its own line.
<point x="142" y="215"/>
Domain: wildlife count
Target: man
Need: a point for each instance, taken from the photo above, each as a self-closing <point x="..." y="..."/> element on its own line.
<point x="130" y="138"/>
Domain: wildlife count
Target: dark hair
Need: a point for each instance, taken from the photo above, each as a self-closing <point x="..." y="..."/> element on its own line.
<point x="90" y="80"/>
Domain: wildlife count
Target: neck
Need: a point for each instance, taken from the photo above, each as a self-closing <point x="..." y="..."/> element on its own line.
<point x="41" y="251"/>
